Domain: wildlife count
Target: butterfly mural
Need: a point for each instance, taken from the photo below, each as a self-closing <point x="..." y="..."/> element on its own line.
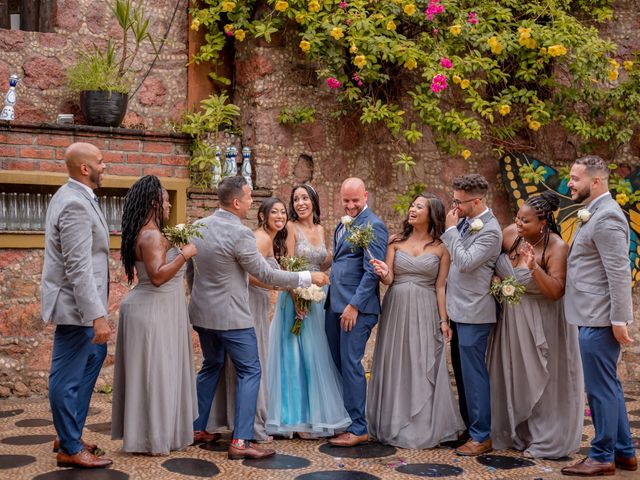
<point x="525" y="176"/>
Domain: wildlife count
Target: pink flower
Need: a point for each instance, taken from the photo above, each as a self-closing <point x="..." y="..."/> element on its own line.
<point x="445" y="63"/>
<point x="435" y="31"/>
<point x="333" y="83"/>
<point x="438" y="83"/>
<point x="343" y="5"/>
<point x="348" y="21"/>
<point x="472" y="18"/>
<point x="434" y="8"/>
<point x="229" y="33"/>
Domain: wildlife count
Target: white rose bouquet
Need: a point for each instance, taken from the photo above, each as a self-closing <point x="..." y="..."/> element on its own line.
<point x="182" y="234"/>
<point x="509" y="290"/>
<point x="361" y="236"/>
<point x="303" y="298"/>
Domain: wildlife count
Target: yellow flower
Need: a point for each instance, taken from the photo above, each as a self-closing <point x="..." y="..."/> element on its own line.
<point x="455" y="30"/>
<point x="336" y="33"/>
<point x="240" y="34"/>
<point x="300" y="17"/>
<point x="305" y="46"/>
<point x="525" y="38"/>
<point x="556" y="50"/>
<point x="524" y="32"/>
<point x="622" y="199"/>
<point x="314" y="6"/>
<point x="543" y="51"/>
<point x="464" y="84"/>
<point x="614" y="63"/>
<point x="410" y="64"/>
<point x="505" y="110"/>
<point x="353" y="48"/>
<point x="466" y="154"/>
<point x="495" y="45"/>
<point x="228" y="28"/>
<point x="628" y="65"/>
<point x="409" y="9"/>
<point x="228" y="6"/>
<point x="195" y="24"/>
<point x="456" y="79"/>
<point x="281" y="5"/>
<point x="534" y="125"/>
<point x="391" y="26"/>
<point x="613" y="75"/>
<point x="360" y="61"/>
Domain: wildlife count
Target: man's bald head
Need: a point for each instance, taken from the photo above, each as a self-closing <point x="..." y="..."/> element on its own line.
<point x="85" y="163"/>
<point x="354" y="196"/>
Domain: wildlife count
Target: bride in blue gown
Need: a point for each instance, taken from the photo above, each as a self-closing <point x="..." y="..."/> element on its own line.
<point x="305" y="388"/>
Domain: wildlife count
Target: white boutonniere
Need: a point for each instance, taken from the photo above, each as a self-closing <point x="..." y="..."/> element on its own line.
<point x="583" y="215"/>
<point x="476" y="226"/>
<point x="346" y="220"/>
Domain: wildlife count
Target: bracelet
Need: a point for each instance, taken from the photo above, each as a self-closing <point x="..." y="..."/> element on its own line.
<point x="185" y="258"/>
<point x="444" y="321"/>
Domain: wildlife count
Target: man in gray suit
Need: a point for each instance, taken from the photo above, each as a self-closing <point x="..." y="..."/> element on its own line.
<point x="474" y="244"/>
<point x="219" y="311"/>
<point x="598" y="299"/>
<point x="74" y="292"/>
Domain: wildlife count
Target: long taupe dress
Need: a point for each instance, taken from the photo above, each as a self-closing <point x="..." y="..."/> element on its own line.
<point x="537" y="402"/>
<point x="154" y="396"/>
<point x="410" y="403"/>
<point x="223" y="406"/>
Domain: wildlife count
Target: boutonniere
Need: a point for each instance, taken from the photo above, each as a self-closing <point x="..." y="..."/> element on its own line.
<point x="346" y="220"/>
<point x="476" y="226"/>
<point x="583" y="216"/>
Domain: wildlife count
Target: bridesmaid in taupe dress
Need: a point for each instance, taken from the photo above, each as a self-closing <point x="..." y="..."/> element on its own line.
<point x="534" y="358"/>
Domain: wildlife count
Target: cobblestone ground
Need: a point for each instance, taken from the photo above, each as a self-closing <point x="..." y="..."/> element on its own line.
<point x="26" y="435"/>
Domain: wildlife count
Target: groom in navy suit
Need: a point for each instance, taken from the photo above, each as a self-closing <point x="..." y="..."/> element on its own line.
<point x="353" y="305"/>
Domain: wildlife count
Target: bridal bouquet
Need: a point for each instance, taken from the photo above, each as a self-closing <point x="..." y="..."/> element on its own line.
<point x="508" y="290"/>
<point x="302" y="296"/>
<point x="182" y="234"/>
<point x="361" y="236"/>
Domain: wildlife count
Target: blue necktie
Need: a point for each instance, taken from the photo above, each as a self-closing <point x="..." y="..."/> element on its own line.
<point x="464" y="227"/>
<point x="341" y="231"/>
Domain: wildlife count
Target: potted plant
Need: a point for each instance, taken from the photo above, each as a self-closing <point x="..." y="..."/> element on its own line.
<point x="103" y="76"/>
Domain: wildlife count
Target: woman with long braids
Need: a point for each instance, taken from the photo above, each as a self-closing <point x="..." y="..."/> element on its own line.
<point x="534" y="358"/>
<point x="271" y="237"/>
<point x="154" y="401"/>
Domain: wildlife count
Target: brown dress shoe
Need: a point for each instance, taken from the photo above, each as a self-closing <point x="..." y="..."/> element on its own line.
<point x="348" y="439"/>
<point x="588" y="467"/>
<point x="249" y="451"/>
<point x="473" y="448"/>
<point x="627" y="463"/>
<point x="202" y="436"/>
<point x="82" y="459"/>
<point x="89" y="447"/>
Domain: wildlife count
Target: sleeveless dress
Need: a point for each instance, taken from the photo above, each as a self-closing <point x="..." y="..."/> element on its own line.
<point x="305" y="388"/>
<point x="223" y="406"/>
<point x="410" y="403"/>
<point x="154" y="396"/>
<point x="537" y="402"/>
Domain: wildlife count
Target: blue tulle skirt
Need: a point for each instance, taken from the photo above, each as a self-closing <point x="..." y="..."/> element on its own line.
<point x="305" y="388"/>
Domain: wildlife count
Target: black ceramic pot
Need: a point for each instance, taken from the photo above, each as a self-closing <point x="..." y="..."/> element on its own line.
<point x="102" y="108"/>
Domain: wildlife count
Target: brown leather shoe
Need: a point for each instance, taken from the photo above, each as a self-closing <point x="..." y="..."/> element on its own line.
<point x="588" y="467"/>
<point x="348" y="439"/>
<point x="249" y="451"/>
<point x="627" y="463"/>
<point x="473" y="448"/>
<point x="82" y="459"/>
<point x="89" y="447"/>
<point x="202" y="436"/>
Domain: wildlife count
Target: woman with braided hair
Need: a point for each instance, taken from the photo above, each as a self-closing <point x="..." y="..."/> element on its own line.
<point x="533" y="356"/>
<point x="154" y="401"/>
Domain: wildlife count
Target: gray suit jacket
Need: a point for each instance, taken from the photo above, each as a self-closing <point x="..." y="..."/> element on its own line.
<point x="220" y="285"/>
<point x="598" y="289"/>
<point x="473" y="258"/>
<point x="75" y="277"/>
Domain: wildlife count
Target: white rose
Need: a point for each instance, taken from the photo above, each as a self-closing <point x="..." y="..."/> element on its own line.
<point x="180" y="227"/>
<point x="346" y="220"/>
<point x="476" y="225"/>
<point x="584" y="215"/>
<point x="508" y="290"/>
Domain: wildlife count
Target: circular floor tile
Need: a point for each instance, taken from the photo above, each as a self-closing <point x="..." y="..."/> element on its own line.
<point x="104" y="428"/>
<point x="634" y="423"/>
<point x="585" y="438"/>
<point x="28" y="439"/>
<point x="215" y="446"/>
<point x="588" y="421"/>
<point x="93" y="411"/>
<point x="364" y="450"/>
<point x="502" y="462"/>
<point x="15" y="461"/>
<point x="433" y="470"/>
<point x="634" y="413"/>
<point x="10" y="413"/>
<point x="34" y="422"/>
<point x="73" y="474"/>
<point x="278" y="462"/>
<point x="337" y="475"/>
<point x="191" y="466"/>
<point x="629" y="399"/>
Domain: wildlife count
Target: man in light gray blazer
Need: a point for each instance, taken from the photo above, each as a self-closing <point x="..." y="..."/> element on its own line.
<point x="474" y="244"/>
<point x="219" y="311"/>
<point x="598" y="299"/>
<point x="74" y="292"/>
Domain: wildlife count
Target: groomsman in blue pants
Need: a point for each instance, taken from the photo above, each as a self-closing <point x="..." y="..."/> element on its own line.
<point x="598" y="299"/>
<point x="74" y="292"/>
<point x="474" y="240"/>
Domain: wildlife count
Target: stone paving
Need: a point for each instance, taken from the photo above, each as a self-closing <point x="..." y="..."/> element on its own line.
<point x="26" y="435"/>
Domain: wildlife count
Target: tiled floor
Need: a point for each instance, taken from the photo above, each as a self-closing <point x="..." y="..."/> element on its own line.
<point x="26" y="435"/>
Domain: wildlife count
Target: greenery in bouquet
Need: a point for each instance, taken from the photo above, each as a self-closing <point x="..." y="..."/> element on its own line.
<point x="294" y="264"/>
<point x="509" y="290"/>
<point x="303" y="298"/>
<point x="183" y="233"/>
<point x="361" y="236"/>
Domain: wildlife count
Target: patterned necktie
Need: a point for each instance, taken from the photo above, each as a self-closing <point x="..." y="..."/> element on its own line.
<point x="464" y="227"/>
<point x="341" y="231"/>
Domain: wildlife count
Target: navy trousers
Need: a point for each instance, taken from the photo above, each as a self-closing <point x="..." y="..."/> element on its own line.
<point x="457" y="373"/>
<point x="347" y="350"/>
<point x="75" y="365"/>
<point x="472" y="346"/>
<point x="600" y="352"/>
<point x="242" y="347"/>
